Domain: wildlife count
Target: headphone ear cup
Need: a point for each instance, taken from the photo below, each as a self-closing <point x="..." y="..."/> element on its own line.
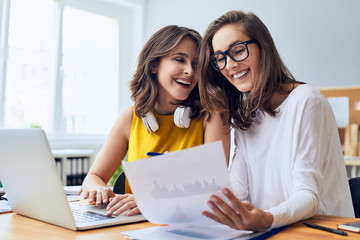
<point x="182" y="117"/>
<point x="150" y="122"/>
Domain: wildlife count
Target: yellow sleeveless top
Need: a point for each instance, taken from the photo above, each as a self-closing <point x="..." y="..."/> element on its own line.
<point x="168" y="137"/>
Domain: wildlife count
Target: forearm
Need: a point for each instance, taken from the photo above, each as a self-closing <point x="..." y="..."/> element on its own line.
<point x="301" y="205"/>
<point x="92" y="182"/>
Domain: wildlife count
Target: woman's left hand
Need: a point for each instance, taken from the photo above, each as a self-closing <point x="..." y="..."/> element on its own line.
<point x="121" y="203"/>
<point x="241" y="215"/>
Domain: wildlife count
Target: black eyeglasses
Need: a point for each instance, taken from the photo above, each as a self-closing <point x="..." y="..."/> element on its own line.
<point x="237" y="52"/>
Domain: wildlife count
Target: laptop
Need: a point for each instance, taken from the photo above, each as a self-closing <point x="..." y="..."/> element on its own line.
<point x="34" y="189"/>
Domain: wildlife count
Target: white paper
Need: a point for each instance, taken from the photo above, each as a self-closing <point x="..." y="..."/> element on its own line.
<point x="174" y="188"/>
<point x="340" y="107"/>
<point x="187" y="233"/>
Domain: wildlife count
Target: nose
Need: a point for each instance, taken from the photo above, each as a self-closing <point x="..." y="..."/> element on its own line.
<point x="230" y="63"/>
<point x="189" y="69"/>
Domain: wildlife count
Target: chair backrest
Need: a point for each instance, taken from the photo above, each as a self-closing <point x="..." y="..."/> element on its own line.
<point x="355" y="194"/>
<point x="119" y="185"/>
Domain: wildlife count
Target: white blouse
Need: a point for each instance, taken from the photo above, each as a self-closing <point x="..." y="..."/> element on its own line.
<point x="292" y="165"/>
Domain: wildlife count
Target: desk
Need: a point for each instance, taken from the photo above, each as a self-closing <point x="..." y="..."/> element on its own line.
<point x="14" y="226"/>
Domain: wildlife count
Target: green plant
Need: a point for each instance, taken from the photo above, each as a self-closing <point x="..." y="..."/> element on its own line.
<point x="116" y="174"/>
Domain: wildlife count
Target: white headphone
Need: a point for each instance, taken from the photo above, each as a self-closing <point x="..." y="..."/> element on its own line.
<point x="181" y="119"/>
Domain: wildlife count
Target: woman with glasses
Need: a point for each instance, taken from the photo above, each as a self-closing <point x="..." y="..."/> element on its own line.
<point x="288" y="162"/>
<point x="166" y="116"/>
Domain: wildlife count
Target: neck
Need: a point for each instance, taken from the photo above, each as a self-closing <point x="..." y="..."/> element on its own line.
<point x="165" y="109"/>
<point x="279" y="96"/>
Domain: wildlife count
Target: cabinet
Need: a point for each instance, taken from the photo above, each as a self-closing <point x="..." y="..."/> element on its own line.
<point x="73" y="164"/>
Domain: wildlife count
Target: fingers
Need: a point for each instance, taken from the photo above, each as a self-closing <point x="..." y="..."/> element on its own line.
<point x="85" y="194"/>
<point x="238" y="214"/>
<point x="115" y="200"/>
<point x="122" y="203"/>
<point x="232" y="214"/>
<point x="236" y="203"/>
<point x="106" y="194"/>
<point x="99" y="196"/>
<point x="133" y="211"/>
<point x="218" y="215"/>
<point x="225" y="214"/>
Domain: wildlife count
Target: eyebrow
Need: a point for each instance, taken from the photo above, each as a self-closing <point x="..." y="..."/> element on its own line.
<point x="180" y="53"/>
<point x="232" y="44"/>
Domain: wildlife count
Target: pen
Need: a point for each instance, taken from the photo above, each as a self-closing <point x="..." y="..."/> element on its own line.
<point x="312" y="225"/>
<point x="152" y="154"/>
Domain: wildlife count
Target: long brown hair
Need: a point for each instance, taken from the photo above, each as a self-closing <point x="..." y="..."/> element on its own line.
<point x="144" y="85"/>
<point x="217" y="94"/>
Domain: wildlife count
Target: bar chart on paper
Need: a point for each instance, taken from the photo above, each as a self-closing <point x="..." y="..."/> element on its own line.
<point x="198" y="187"/>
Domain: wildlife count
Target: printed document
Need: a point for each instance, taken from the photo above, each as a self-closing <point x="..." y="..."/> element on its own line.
<point x="174" y="189"/>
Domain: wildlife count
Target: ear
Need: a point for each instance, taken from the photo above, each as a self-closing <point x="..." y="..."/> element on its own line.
<point x="153" y="69"/>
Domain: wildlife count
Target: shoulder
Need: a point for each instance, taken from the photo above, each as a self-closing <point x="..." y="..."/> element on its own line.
<point x="306" y="94"/>
<point x="124" y="121"/>
<point x="211" y="119"/>
<point x="128" y="112"/>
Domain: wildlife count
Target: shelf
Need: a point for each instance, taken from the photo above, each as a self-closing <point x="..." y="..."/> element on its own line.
<point x="73" y="164"/>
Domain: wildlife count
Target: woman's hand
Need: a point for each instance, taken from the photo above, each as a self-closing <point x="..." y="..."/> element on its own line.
<point x="240" y="215"/>
<point x="99" y="196"/>
<point x="121" y="203"/>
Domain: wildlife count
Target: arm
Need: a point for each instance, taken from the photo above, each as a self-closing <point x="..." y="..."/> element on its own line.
<point x="108" y="160"/>
<point x="215" y="130"/>
<point x="305" y="181"/>
<point x="310" y="142"/>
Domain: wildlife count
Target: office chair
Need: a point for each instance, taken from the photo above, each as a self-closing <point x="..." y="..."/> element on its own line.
<point x="355" y="194"/>
<point x="119" y="185"/>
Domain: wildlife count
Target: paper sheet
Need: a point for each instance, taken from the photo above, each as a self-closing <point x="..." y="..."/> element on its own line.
<point x="187" y="233"/>
<point x="174" y="189"/>
<point x="4" y="206"/>
<point x="340" y="107"/>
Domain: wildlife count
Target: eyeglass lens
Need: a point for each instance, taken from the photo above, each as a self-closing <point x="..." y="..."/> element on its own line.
<point x="237" y="53"/>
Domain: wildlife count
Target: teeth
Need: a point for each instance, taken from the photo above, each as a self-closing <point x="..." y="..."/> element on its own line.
<point x="240" y="74"/>
<point x="183" y="81"/>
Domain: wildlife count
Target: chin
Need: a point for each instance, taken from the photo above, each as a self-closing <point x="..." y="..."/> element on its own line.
<point x="244" y="87"/>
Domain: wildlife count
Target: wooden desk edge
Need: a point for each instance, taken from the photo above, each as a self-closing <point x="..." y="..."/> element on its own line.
<point x="14" y="226"/>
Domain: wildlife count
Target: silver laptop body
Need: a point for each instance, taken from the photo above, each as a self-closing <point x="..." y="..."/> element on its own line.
<point x="32" y="183"/>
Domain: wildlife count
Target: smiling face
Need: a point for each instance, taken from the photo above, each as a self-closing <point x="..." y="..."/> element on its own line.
<point x="240" y="74"/>
<point x="176" y="73"/>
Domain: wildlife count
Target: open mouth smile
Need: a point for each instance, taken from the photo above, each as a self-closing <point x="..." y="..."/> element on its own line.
<point x="240" y="74"/>
<point x="183" y="82"/>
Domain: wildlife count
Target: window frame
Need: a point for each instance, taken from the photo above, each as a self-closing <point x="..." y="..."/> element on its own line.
<point x="130" y="16"/>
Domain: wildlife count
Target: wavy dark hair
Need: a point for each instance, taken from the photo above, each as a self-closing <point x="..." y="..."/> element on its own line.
<point x="217" y="94"/>
<point x="144" y="84"/>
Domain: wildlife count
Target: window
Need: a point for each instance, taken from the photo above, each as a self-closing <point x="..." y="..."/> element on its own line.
<point x="61" y="68"/>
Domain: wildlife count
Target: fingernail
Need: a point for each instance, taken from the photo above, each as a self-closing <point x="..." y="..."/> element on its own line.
<point x="108" y="212"/>
<point x="104" y="201"/>
<point x="213" y="199"/>
<point x="225" y="191"/>
<point x="107" y="208"/>
<point x="210" y="204"/>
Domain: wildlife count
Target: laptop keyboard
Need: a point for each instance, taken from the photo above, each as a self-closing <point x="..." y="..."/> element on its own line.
<point x="82" y="216"/>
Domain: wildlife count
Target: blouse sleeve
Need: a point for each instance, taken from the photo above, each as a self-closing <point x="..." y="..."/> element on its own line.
<point x="309" y="140"/>
<point x="238" y="172"/>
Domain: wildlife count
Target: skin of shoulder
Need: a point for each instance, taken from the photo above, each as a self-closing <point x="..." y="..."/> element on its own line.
<point x="216" y="130"/>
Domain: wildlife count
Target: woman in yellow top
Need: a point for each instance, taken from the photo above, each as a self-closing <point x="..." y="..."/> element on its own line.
<point x="167" y="114"/>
